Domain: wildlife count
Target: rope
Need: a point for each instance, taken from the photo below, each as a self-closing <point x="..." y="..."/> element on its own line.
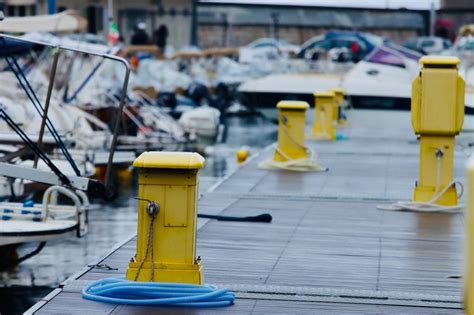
<point x="310" y="163"/>
<point x="429" y="206"/>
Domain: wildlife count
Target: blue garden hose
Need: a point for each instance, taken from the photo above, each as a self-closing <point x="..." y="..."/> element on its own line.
<point x="121" y="291"/>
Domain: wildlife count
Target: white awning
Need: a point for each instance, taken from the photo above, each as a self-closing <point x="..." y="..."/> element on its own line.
<point x="20" y="2"/>
<point x="67" y="21"/>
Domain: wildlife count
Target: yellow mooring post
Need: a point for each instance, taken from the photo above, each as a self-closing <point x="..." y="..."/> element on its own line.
<point x="437" y="115"/>
<point x="325" y="109"/>
<point x="469" y="247"/>
<point x="338" y="112"/>
<point x="166" y="236"/>
<point x="291" y="125"/>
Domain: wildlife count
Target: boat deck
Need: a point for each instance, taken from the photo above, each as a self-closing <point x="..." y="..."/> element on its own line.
<point x="328" y="249"/>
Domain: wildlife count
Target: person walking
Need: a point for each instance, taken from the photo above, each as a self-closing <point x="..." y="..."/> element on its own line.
<point x="160" y="36"/>
<point x="140" y="37"/>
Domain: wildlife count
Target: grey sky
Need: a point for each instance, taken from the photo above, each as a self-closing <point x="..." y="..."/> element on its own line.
<point x="392" y="4"/>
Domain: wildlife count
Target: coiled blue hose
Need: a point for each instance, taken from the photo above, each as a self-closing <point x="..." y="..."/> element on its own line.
<point x="121" y="291"/>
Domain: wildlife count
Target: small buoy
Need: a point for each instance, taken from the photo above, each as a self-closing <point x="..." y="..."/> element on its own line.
<point x="242" y="155"/>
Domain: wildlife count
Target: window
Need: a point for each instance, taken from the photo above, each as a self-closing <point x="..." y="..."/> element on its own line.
<point x="427" y="43"/>
<point x="21" y="10"/>
<point x="322" y="44"/>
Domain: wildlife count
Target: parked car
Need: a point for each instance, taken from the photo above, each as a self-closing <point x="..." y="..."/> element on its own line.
<point x="351" y="46"/>
<point x="280" y="45"/>
<point x="266" y="49"/>
<point x="428" y="44"/>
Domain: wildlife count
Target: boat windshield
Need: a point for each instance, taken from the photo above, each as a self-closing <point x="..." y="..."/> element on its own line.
<point x="407" y="53"/>
<point x="385" y="56"/>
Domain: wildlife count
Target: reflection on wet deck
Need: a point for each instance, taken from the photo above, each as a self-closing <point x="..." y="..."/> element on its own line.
<point x="328" y="249"/>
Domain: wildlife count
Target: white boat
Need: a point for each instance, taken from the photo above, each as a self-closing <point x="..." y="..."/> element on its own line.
<point x="201" y="123"/>
<point x="393" y="67"/>
<point x="27" y="222"/>
<point x="383" y="79"/>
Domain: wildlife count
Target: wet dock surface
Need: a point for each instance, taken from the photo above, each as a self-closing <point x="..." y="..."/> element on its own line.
<point x="328" y="249"/>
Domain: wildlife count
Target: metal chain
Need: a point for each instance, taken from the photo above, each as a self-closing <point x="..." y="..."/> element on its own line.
<point x="148" y="245"/>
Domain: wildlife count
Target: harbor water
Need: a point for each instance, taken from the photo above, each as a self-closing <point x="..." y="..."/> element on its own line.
<point x="112" y="222"/>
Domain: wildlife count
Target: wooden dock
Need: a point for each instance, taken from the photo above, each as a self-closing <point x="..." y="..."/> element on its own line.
<point x="328" y="249"/>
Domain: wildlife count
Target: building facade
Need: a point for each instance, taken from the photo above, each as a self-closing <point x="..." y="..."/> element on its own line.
<point x="457" y="4"/>
<point x="177" y="15"/>
<point x="239" y="24"/>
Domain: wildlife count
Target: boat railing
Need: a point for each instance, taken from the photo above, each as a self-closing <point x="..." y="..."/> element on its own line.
<point x="106" y="191"/>
<point x="79" y="210"/>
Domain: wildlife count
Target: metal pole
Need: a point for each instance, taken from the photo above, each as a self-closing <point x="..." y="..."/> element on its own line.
<point x="110" y="8"/>
<point x="52" y="77"/>
<point x="194" y="23"/>
<point x="118" y="118"/>
<point x="225" y="26"/>
<point x="275" y="18"/>
<point x="432" y="18"/>
<point x="51" y="6"/>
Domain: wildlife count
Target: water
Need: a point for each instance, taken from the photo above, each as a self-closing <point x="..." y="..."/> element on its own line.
<point x="113" y="222"/>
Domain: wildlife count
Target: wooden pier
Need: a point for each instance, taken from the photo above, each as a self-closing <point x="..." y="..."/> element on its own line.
<point x="328" y="249"/>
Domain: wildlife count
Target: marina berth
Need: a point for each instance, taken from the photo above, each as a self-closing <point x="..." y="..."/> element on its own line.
<point x="328" y="248"/>
<point x="208" y="157"/>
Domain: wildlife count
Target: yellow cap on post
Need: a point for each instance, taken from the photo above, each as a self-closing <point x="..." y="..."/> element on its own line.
<point x="326" y="94"/>
<point x="292" y="105"/>
<point x="449" y="61"/>
<point x="338" y="91"/>
<point x="174" y="160"/>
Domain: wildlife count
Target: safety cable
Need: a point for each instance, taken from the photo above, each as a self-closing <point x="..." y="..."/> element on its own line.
<point x="84" y="83"/>
<point x="36" y="150"/>
<point x="39" y="108"/>
<point x="25" y="84"/>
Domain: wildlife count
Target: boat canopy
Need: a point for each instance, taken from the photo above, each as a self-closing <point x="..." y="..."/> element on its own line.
<point x="67" y="21"/>
<point x="9" y="47"/>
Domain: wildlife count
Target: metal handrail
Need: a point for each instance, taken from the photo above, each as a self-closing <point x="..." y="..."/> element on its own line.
<point x="122" y="96"/>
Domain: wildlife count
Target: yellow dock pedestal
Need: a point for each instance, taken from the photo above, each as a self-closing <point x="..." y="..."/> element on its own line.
<point x="291" y="154"/>
<point x="291" y="125"/>
<point x="338" y="113"/>
<point x="325" y="110"/>
<point x="437" y="114"/>
<point x="167" y="216"/>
